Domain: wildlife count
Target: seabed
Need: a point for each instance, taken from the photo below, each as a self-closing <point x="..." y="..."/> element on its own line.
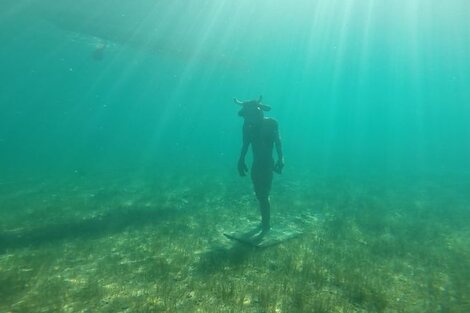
<point x="142" y="245"/>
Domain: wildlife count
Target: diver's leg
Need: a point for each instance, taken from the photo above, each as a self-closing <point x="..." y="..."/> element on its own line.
<point x="265" y="208"/>
<point x="262" y="180"/>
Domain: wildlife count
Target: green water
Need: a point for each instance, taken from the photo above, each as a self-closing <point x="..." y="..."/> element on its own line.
<point x="119" y="142"/>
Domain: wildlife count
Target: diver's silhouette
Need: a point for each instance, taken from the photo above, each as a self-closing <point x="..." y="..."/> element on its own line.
<point x="262" y="133"/>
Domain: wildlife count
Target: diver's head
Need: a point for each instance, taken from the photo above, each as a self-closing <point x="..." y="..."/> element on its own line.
<point x="252" y="110"/>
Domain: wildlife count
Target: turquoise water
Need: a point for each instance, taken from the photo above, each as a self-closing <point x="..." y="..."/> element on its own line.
<point x="362" y="86"/>
<point x="131" y="102"/>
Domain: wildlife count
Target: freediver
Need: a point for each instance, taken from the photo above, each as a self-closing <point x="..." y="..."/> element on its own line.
<point x="98" y="53"/>
<point x="262" y="133"/>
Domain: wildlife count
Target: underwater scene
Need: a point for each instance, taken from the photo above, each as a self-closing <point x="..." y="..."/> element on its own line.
<point x="249" y="156"/>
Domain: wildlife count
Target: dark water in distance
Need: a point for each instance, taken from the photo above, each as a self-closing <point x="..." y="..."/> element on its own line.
<point x="358" y="87"/>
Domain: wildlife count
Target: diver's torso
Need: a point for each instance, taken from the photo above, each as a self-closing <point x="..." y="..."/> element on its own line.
<point x="262" y="141"/>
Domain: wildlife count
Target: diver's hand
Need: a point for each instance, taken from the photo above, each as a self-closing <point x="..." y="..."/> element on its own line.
<point x="242" y="168"/>
<point x="279" y="166"/>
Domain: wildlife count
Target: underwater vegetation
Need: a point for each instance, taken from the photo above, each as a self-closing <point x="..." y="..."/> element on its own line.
<point x="123" y="245"/>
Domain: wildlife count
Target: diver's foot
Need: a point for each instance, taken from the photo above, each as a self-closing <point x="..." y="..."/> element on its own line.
<point x="262" y="231"/>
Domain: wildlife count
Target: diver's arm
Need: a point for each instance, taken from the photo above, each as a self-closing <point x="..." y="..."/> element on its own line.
<point x="242" y="168"/>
